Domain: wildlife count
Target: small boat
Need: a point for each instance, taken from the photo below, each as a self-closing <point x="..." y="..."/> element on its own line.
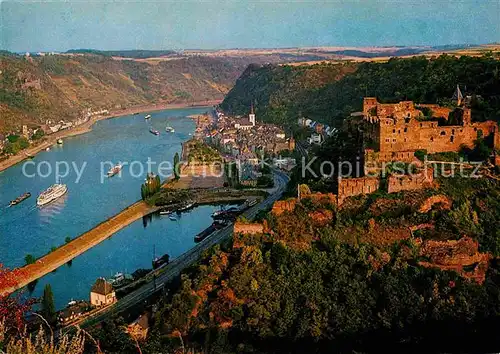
<point x="165" y="212"/>
<point x="159" y="261"/>
<point x="60" y="141"/>
<point x="120" y="279"/>
<point x="170" y="130"/>
<point x="117" y="277"/>
<point x="47" y="149"/>
<point x="172" y="217"/>
<point x="186" y="207"/>
<point x="20" y="199"/>
<point x="153" y="131"/>
<point x="114" y="170"/>
<point x="148" y="116"/>
<point x="218" y="213"/>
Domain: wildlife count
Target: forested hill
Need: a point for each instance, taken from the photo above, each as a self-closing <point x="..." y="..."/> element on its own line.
<point x="54" y="87"/>
<point x="329" y="92"/>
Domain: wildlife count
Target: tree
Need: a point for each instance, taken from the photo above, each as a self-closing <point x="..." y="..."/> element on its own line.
<point x="176" y="166"/>
<point x="29" y="259"/>
<point x="67" y="239"/>
<point x="47" y="305"/>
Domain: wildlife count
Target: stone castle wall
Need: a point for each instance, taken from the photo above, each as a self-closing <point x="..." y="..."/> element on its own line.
<point x="280" y="206"/>
<point x="250" y="229"/>
<point x="387" y="156"/>
<point x="417" y="181"/>
<point x="399" y="128"/>
<point x="349" y="187"/>
<point x="397" y="136"/>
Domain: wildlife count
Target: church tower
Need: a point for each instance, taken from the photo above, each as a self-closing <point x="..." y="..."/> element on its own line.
<point x="251" y="116"/>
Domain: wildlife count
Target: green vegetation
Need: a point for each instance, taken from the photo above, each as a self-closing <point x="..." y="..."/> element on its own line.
<point x="15" y="144"/>
<point x="39" y="133"/>
<point x="310" y="288"/>
<point x="200" y="152"/>
<point x="48" y="309"/>
<point x="330" y="92"/>
<point x="231" y="174"/>
<point x="150" y="187"/>
<point x="176" y="166"/>
<point x="29" y="259"/>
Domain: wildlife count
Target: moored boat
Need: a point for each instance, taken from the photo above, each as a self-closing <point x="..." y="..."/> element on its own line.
<point x="169" y="129"/>
<point x="154" y="131"/>
<point x="159" y="261"/>
<point x="20" y="199"/>
<point x="216" y="225"/>
<point x="186" y="207"/>
<point x="114" y="170"/>
<point x="120" y="279"/>
<point x="60" y="141"/>
<point x="251" y="203"/>
<point x="52" y="193"/>
<point x="148" y="116"/>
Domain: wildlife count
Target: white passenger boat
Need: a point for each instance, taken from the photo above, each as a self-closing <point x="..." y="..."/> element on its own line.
<point x="52" y="193"/>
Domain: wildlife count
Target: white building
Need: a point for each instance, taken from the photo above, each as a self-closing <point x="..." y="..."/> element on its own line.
<point x="102" y="293"/>
<point x="246" y="123"/>
<point x="315" y="139"/>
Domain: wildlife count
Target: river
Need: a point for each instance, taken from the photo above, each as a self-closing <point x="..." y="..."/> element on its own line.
<point x="91" y="199"/>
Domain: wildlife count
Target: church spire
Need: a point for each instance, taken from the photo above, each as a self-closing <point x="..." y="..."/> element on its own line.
<point x="251" y="116"/>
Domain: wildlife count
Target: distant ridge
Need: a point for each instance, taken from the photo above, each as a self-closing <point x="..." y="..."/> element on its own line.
<point x="131" y="53"/>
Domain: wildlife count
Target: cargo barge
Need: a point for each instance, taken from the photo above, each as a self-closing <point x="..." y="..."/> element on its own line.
<point x="216" y="225"/>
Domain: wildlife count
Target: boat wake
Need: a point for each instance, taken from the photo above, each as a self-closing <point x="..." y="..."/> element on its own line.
<point x="22" y="214"/>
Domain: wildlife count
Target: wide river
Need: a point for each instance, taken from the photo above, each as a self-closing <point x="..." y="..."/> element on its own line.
<point x="27" y="229"/>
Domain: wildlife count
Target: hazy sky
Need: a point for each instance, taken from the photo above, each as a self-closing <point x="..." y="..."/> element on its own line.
<point x="55" y="25"/>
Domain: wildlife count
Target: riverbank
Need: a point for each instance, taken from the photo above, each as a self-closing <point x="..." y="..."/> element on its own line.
<point x="77" y="246"/>
<point x="51" y="139"/>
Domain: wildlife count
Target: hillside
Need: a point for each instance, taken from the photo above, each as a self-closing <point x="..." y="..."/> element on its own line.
<point x="329" y="92"/>
<point x="354" y="279"/>
<point x="54" y="87"/>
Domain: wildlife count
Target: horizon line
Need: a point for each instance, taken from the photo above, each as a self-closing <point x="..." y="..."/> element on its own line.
<point x="260" y="48"/>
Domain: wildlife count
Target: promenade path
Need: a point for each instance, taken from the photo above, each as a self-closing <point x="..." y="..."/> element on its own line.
<point x="77" y="246"/>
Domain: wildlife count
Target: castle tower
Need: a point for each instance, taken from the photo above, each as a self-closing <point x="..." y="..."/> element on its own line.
<point x="251" y="116"/>
<point x="457" y="96"/>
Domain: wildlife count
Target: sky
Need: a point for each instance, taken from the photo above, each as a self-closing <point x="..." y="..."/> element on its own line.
<point x="212" y="24"/>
